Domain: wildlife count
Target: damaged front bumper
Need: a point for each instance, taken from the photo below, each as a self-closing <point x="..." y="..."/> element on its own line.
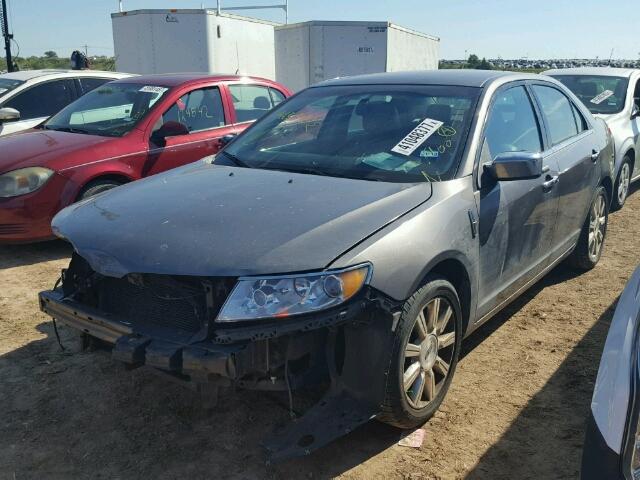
<point x="347" y="347"/>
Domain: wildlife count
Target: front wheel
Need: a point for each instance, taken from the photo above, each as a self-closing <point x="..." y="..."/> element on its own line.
<point x="97" y="187"/>
<point x="425" y="354"/>
<point x="591" y="242"/>
<point x="622" y="184"/>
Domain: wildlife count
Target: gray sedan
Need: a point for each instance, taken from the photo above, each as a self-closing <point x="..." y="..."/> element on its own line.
<point x="351" y="239"/>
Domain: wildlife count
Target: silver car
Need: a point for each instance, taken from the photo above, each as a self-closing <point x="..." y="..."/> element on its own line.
<point x="612" y="94"/>
<point x="350" y="239"/>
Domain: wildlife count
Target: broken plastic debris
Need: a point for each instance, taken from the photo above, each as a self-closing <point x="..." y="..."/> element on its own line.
<point x="413" y="439"/>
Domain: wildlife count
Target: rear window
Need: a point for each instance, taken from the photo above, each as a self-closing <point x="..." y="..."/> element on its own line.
<point x="600" y="93"/>
<point x="6" y="85"/>
<point x="90" y="83"/>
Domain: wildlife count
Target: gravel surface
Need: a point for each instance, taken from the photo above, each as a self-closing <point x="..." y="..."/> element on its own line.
<point x="516" y="409"/>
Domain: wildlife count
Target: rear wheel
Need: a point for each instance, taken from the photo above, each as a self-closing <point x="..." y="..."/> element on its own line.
<point x="622" y="184"/>
<point x="591" y="242"/>
<point x="96" y="187"/>
<point x="425" y="354"/>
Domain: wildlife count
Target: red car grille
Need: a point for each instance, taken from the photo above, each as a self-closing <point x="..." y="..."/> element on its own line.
<point x="12" y="228"/>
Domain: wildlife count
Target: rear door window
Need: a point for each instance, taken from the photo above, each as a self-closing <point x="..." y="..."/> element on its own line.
<point x="91" y="83"/>
<point x="251" y="101"/>
<point x="42" y="100"/>
<point x="198" y="110"/>
<point x="558" y="113"/>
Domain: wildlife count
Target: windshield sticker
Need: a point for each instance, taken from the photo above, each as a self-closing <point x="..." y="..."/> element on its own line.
<point x="152" y="89"/>
<point x="2" y="90"/>
<point x="601" y="97"/>
<point x="417" y="136"/>
<point x="429" y="153"/>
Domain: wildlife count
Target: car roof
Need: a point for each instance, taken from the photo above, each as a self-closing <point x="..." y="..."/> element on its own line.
<point x="177" y="79"/>
<point x="26" y="75"/>
<point x="454" y="77"/>
<point x="598" y="71"/>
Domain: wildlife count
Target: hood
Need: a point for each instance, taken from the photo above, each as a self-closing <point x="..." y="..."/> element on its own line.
<point x="44" y="148"/>
<point x="213" y="220"/>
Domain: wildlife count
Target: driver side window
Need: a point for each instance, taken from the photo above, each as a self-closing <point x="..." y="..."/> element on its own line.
<point x="512" y="125"/>
<point x="198" y="110"/>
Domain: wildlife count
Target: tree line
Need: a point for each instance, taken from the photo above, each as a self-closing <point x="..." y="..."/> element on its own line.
<point x="50" y="59"/>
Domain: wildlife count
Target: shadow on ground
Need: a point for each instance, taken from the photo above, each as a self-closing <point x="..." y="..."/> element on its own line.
<point x="545" y="425"/>
<point x="81" y="415"/>
<point x="21" y="255"/>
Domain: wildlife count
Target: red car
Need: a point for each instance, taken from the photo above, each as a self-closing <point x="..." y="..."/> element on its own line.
<point x="120" y="132"/>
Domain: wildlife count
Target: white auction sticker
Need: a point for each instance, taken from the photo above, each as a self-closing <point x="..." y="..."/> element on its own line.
<point x="601" y="97"/>
<point x="417" y="136"/>
<point x="152" y="89"/>
<point x="2" y="90"/>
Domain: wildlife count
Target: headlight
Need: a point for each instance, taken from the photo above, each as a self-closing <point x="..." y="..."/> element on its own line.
<point x="24" y="180"/>
<point x="283" y="296"/>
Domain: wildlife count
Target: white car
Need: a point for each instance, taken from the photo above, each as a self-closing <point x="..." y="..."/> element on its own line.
<point x="29" y="97"/>
<point x="612" y="94"/>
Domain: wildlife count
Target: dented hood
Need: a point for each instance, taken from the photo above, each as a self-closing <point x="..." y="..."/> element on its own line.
<point x="213" y="220"/>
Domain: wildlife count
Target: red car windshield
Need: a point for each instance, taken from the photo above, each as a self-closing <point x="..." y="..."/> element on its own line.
<point x="111" y="110"/>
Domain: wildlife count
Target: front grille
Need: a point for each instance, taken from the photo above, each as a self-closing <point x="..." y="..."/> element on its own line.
<point x="12" y="228"/>
<point x="156" y="300"/>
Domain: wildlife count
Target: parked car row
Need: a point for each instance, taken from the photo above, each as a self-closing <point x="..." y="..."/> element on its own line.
<point x="350" y="238"/>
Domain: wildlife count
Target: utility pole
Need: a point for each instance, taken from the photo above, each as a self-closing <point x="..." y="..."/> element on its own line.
<point x="86" y="51"/>
<point x="7" y="36"/>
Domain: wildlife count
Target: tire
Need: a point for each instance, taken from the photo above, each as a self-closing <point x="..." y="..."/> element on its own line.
<point x="96" y="187"/>
<point x="586" y="254"/>
<point x="621" y="189"/>
<point x="406" y="408"/>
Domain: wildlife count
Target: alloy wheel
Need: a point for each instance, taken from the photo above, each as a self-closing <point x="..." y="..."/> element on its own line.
<point x="597" y="226"/>
<point x="623" y="183"/>
<point x="429" y="352"/>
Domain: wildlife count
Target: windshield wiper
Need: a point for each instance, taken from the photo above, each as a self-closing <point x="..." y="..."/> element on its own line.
<point x="67" y="129"/>
<point x="308" y="170"/>
<point x="235" y="159"/>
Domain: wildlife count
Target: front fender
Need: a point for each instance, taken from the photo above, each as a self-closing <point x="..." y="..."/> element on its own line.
<point x="405" y="251"/>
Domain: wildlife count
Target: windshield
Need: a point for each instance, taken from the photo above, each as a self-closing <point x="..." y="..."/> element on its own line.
<point x="6" y="85"/>
<point x="110" y="110"/>
<point x="378" y="132"/>
<point x="600" y="94"/>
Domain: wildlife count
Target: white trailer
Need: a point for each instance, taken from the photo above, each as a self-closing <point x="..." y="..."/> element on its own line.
<point x="309" y="52"/>
<point x="185" y="40"/>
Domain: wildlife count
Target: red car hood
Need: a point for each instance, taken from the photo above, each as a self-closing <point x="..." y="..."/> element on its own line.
<point x="48" y="148"/>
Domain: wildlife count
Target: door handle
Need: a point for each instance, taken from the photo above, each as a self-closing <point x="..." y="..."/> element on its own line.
<point x="550" y="182"/>
<point x="594" y="155"/>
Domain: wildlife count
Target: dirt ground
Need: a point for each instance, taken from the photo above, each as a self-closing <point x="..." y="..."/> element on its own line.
<point x="516" y="409"/>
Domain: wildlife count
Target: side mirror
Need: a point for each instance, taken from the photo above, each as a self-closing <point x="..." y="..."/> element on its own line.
<point x="515" y="166"/>
<point x="635" y="111"/>
<point x="227" y="139"/>
<point x="169" y="129"/>
<point x="9" y="115"/>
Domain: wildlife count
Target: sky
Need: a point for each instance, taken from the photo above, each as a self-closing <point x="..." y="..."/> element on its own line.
<point x="489" y="28"/>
